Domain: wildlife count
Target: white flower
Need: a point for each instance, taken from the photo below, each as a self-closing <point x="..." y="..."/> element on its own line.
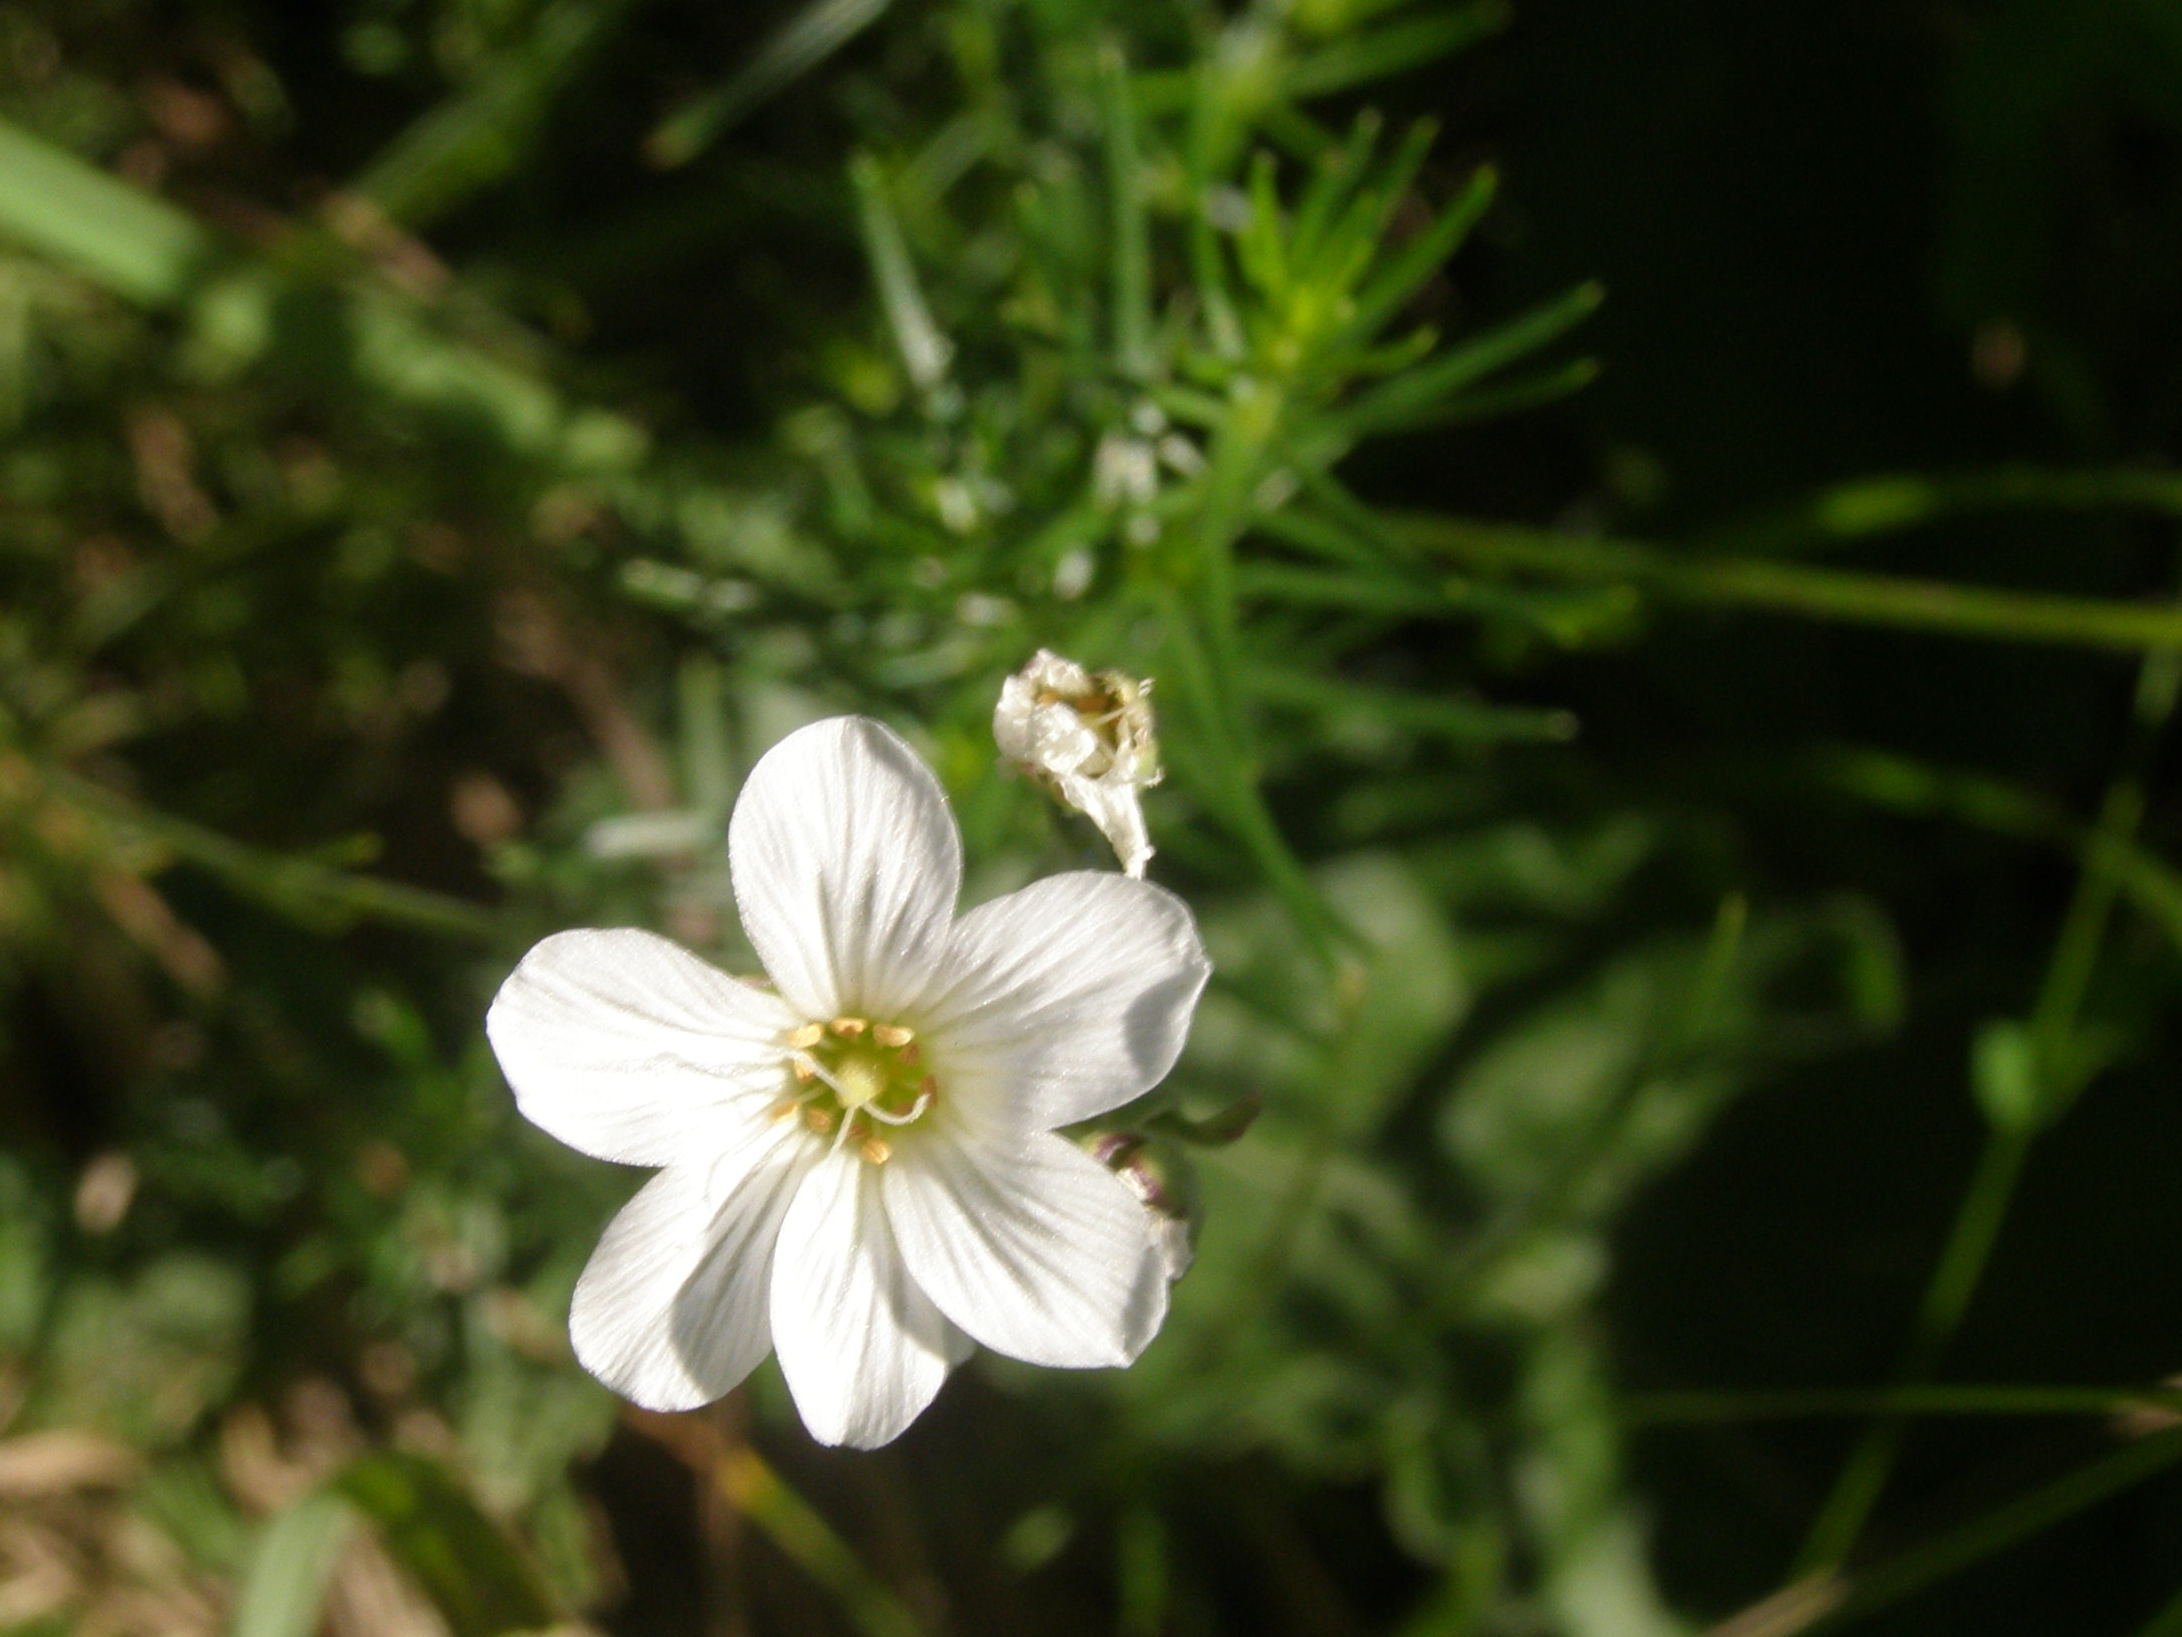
<point x="1088" y="738"/>
<point x="860" y="1166"/>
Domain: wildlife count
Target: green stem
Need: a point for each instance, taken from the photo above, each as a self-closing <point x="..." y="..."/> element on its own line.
<point x="1902" y="785"/>
<point x="1991" y="1191"/>
<point x="1235" y="796"/>
<point x="1700" y="1407"/>
<point x="1971" y="1543"/>
<point x="808" y="1541"/>
<point x="1132" y="252"/>
<point x="298" y="887"/>
<point x="1869" y="506"/>
<point x="1794" y="588"/>
<point x="1955" y="1279"/>
<point x="2166" y="1623"/>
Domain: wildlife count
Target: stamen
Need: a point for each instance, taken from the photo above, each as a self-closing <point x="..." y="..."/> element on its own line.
<point x="818" y="1070"/>
<point x="837" y="1079"/>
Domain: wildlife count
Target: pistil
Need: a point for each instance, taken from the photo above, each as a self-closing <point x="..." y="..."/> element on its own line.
<point x="850" y="1077"/>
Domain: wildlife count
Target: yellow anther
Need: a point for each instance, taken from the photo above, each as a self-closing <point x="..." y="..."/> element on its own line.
<point x="892" y="1034"/>
<point x="806" y="1037"/>
<point x="848" y="1028"/>
<point x="912" y="1055"/>
<point x="818" y="1120"/>
<point x="874" y="1151"/>
<point x="782" y="1109"/>
<point x="803" y="1069"/>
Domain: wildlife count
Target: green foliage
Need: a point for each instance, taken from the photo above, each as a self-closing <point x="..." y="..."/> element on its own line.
<point x="371" y="605"/>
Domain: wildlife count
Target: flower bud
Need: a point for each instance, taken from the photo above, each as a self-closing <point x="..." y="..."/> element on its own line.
<point x="1162" y="1178"/>
<point x="1088" y="737"/>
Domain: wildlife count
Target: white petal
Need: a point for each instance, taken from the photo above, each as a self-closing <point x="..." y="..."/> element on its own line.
<point x="1030" y="1245"/>
<point x="671" y="1309"/>
<point x="1112" y="803"/>
<point x="846" y="866"/>
<point x="862" y="1347"/>
<point x="627" y="1046"/>
<point x="1067" y="998"/>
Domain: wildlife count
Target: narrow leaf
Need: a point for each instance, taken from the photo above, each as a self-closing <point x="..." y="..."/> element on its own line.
<point x="1406" y="399"/>
<point x="1398" y="47"/>
<point x="457" y="1556"/>
<point x="1411" y="267"/>
<point x="803" y="42"/>
<point x="479" y="135"/>
<point x="1812" y="593"/>
<point x="925" y="352"/>
<point x="284" y="1585"/>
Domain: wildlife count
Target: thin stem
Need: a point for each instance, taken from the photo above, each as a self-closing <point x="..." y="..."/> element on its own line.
<point x="2166" y="1623"/>
<point x="809" y="1541"/>
<point x="301" y="888"/>
<point x="1991" y="1191"/>
<point x="1864" y="507"/>
<point x="1827" y="1598"/>
<point x="1795" y="588"/>
<point x="1132" y="254"/>
<point x="1700" y="1407"/>
<point x="1236" y="795"/>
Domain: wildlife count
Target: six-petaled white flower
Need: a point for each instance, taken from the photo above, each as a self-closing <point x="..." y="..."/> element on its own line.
<point x="860" y="1165"/>
<point x="1088" y="737"/>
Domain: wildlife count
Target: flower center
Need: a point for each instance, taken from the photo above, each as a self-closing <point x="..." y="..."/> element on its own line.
<point x="853" y="1078"/>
